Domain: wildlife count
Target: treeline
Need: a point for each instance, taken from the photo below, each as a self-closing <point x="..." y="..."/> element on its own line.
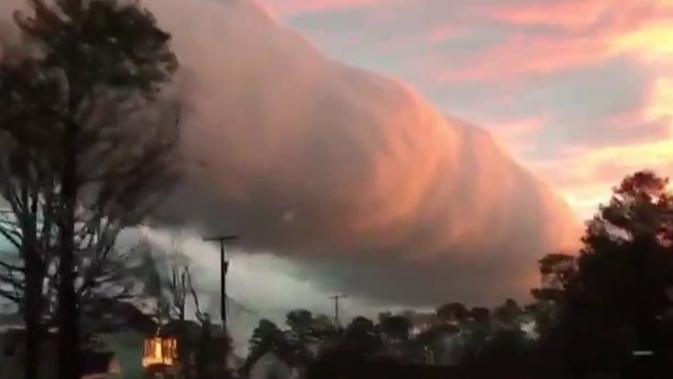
<point x="315" y="347"/>
<point x="606" y="311"/>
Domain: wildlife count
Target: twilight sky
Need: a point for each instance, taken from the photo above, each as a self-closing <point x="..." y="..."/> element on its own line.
<point x="580" y="91"/>
<point x="344" y="180"/>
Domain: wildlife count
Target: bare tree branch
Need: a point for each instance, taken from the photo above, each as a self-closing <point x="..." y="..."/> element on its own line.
<point x="8" y="266"/>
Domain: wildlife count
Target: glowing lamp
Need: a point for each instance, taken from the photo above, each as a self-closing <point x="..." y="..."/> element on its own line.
<point x="160" y="351"/>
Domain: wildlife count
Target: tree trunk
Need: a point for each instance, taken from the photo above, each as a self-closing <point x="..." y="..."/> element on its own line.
<point x="68" y="314"/>
<point x="32" y="313"/>
<point x="32" y="358"/>
<point x="202" y="364"/>
<point x="33" y="296"/>
<point x="183" y="350"/>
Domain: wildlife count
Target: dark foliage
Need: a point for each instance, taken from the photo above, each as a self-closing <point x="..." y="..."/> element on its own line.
<point x="619" y="300"/>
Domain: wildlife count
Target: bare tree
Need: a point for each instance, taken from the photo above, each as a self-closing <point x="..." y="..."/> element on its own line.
<point x="28" y="272"/>
<point x="27" y="187"/>
<point x="180" y="287"/>
<point x="92" y="109"/>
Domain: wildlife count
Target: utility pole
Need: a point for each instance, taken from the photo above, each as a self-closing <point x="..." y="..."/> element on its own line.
<point x="336" y="299"/>
<point x="224" y="268"/>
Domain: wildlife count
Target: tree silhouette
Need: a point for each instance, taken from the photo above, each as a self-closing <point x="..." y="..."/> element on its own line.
<point x="324" y="329"/>
<point x="557" y="272"/>
<point x="433" y="342"/>
<point x="26" y="185"/>
<point x="480" y="316"/>
<point x="453" y="313"/>
<point x="268" y="338"/>
<point x="305" y="333"/>
<point x="395" y="327"/>
<point x="301" y="325"/>
<point x="395" y="332"/>
<point x="100" y="68"/>
<point x="620" y="300"/>
<point x="507" y="316"/>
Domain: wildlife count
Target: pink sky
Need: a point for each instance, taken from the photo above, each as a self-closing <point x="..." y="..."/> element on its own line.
<point x="580" y="91"/>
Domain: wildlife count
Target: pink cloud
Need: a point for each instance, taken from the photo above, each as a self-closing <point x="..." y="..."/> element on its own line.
<point x="524" y="126"/>
<point x="365" y="167"/>
<point x="534" y="40"/>
<point x="297" y="7"/>
<point x="577" y="15"/>
<point x="591" y="32"/>
<point x="570" y="14"/>
<point x="529" y="55"/>
<point x="518" y="134"/>
<point x="442" y="33"/>
<point x="515" y="128"/>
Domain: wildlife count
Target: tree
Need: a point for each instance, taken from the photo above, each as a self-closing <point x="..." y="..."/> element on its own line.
<point x="395" y="327"/>
<point x="362" y="338"/>
<point x="508" y="350"/>
<point x="101" y="66"/>
<point x="481" y="316"/>
<point x="619" y="299"/>
<point x="324" y="329"/>
<point x="359" y="343"/>
<point x="557" y="272"/>
<point x="300" y="322"/>
<point x="304" y="331"/>
<point x="507" y="316"/>
<point x="268" y="338"/>
<point x="453" y="313"/>
<point x="477" y="331"/>
<point x="26" y="187"/>
<point x="167" y="283"/>
<point x="180" y="287"/>
<point x="395" y="334"/>
<point x="431" y="343"/>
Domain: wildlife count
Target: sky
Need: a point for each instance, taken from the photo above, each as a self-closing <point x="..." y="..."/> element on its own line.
<point x="580" y="91"/>
<point x="342" y="139"/>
